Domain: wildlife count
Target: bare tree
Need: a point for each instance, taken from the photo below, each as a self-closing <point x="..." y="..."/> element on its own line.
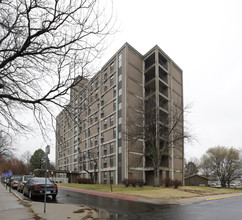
<point x="163" y="135"/>
<point x="44" y="46"/>
<point x="91" y="165"/>
<point x="5" y="145"/>
<point x="223" y="162"/>
<point x="26" y="158"/>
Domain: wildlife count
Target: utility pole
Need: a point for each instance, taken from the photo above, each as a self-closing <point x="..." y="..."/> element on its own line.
<point x="47" y="151"/>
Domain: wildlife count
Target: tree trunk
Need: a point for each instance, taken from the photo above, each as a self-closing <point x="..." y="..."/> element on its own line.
<point x="156" y="177"/>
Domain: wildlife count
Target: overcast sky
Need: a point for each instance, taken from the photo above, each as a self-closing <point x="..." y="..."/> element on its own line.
<point x="204" y="38"/>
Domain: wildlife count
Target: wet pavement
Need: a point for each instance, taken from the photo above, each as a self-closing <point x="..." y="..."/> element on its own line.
<point x="71" y="204"/>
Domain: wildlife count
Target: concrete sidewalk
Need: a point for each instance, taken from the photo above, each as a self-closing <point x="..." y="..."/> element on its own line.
<point x="12" y="207"/>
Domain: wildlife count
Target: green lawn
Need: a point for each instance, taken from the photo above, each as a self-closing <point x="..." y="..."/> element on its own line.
<point x="106" y="188"/>
<point x="156" y="192"/>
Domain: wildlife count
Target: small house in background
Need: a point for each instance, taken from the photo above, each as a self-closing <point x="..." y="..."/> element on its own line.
<point x="196" y="180"/>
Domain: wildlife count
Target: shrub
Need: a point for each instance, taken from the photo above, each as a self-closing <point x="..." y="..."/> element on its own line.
<point x="125" y="182"/>
<point x="133" y="182"/>
<point x="177" y="183"/>
<point x="168" y="182"/>
<point x="84" y="180"/>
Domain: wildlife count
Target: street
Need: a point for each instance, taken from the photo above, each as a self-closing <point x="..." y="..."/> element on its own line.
<point x="229" y="208"/>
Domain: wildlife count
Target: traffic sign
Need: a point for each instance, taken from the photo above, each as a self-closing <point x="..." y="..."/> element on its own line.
<point x="10" y="172"/>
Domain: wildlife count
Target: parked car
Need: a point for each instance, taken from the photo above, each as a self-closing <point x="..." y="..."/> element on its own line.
<point x="36" y="187"/>
<point x="14" y="181"/>
<point x="23" y="180"/>
<point x="7" y="181"/>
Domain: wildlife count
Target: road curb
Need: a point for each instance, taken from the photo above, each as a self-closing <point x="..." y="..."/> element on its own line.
<point x="14" y="193"/>
<point x="223" y="197"/>
<point x="99" y="193"/>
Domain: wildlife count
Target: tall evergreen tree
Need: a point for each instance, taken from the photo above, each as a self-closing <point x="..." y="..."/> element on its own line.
<point x="38" y="160"/>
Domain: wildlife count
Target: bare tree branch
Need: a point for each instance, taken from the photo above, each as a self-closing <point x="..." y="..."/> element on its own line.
<point x="44" y="46"/>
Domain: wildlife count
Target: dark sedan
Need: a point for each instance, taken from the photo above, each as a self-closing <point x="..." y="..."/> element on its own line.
<point x="36" y="187"/>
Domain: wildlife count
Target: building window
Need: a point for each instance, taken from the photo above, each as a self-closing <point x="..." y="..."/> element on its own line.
<point x="85" y="103"/>
<point x="76" y="111"/>
<point x="104" y="149"/>
<point x="111" y="120"/>
<point x="75" y="158"/>
<point x="104" y="162"/>
<point x="111" y="161"/>
<point x="75" y="139"/>
<point x="96" y="140"/>
<point x="102" y="137"/>
<point x="111" y="67"/>
<point x="105" y="124"/>
<point x="120" y="78"/>
<point x="105" y="174"/>
<point x="119" y="60"/>
<point x="91" y="98"/>
<point x="102" y="100"/>
<point x="75" y="129"/>
<point x="105" y="74"/>
<point x="91" y="142"/>
<point x="75" y="148"/>
<point x="96" y="94"/>
<point x="120" y="91"/>
<point x="91" y="119"/>
<point x="96" y="82"/>
<point x="91" y="86"/>
<point x="114" y="132"/>
<point x="111" y="147"/>
<point x="76" y="120"/>
<point x="84" y="155"/>
<point x="114" y="104"/>
<point x="85" y="94"/>
<point x="111" y="80"/>
<point x="89" y="132"/>
<point x="102" y="113"/>
<point x="96" y="116"/>
<point x="114" y="91"/>
<point x="119" y="106"/>
<point x="86" y="144"/>
<point x="105" y="86"/>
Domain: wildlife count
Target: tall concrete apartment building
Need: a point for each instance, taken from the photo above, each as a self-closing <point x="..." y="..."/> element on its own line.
<point x="91" y="139"/>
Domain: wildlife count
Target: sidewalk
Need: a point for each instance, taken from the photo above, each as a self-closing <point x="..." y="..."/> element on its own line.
<point x="13" y="208"/>
<point x="10" y="208"/>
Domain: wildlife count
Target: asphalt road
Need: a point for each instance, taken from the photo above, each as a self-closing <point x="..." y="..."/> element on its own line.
<point x="229" y="208"/>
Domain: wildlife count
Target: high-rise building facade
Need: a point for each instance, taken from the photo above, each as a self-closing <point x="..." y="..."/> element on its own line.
<point x="92" y="136"/>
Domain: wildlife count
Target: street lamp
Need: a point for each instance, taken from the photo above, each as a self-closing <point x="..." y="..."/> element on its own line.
<point x="47" y="151"/>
